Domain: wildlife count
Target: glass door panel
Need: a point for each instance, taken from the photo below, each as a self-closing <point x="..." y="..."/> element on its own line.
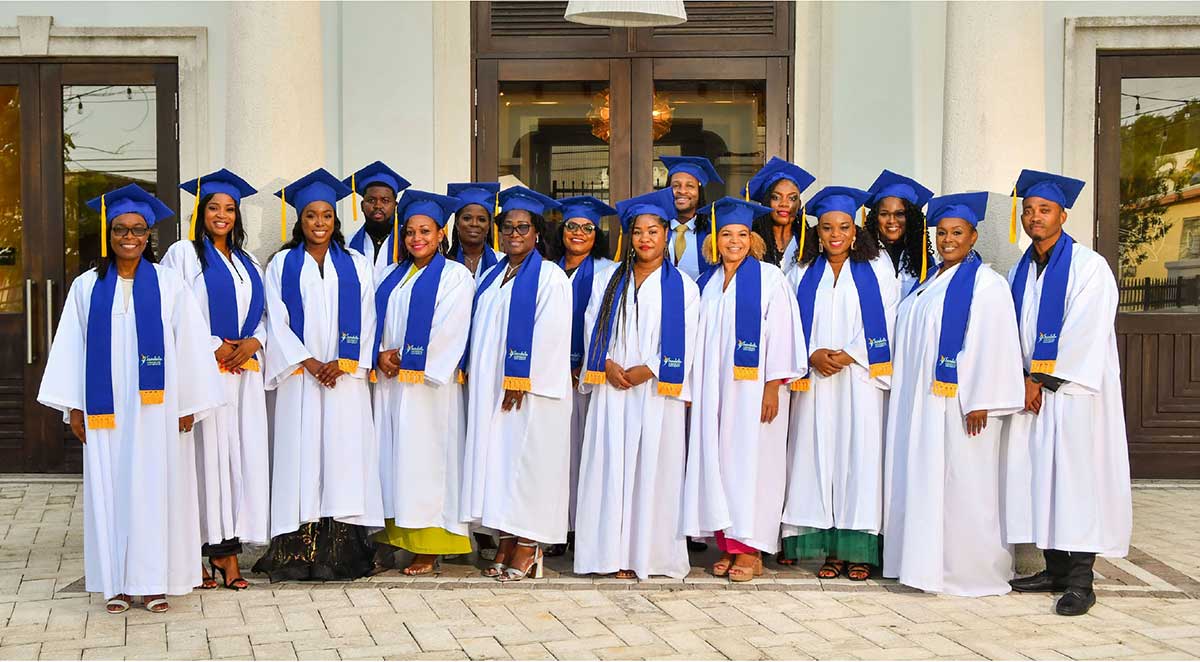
<point x="12" y="254"/>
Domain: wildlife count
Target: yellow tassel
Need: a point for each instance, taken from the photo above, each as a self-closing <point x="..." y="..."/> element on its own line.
<point x="373" y="377"/>
<point x="195" y="212"/>
<point x="411" y="376"/>
<point x="945" y="389"/>
<point x="594" y="377"/>
<point x="103" y="227"/>
<point x="1012" y="221"/>
<point x="670" y="390"/>
<point x="617" y="257"/>
<point x="863" y="216"/>
<point x="460" y="376"/>
<point x="102" y="422"/>
<point x="496" y="207"/>
<point x="747" y="195"/>
<point x="517" y="384"/>
<point x="1042" y="367"/>
<point x="151" y="397"/>
<point x="348" y="365"/>
<point x="353" y="197"/>
<point x="298" y="371"/>
<point x="803" y="229"/>
<point x="924" y="253"/>
<point x="396" y="234"/>
<point x="743" y="373"/>
<point x="283" y="214"/>
<point x="713" y="233"/>
<point x="881" y="369"/>
<point x="800" y="385"/>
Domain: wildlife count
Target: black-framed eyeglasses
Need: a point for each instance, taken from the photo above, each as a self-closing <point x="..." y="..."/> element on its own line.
<point x="521" y="230"/>
<point x="121" y="231"/>
<point x="572" y="226"/>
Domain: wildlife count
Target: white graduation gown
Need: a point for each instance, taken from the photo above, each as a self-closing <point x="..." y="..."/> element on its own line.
<point x="736" y="465"/>
<point x="1068" y="467"/>
<point x="479" y="270"/>
<point x="835" y="454"/>
<point x="789" y="254"/>
<point x="233" y="466"/>
<point x="601" y="269"/>
<point x="635" y="445"/>
<point x="518" y="462"/>
<point x="140" y="512"/>
<point x="325" y="456"/>
<point x="943" y="488"/>
<point x="422" y="427"/>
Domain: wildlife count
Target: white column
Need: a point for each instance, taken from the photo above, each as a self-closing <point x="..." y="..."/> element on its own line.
<point x="275" y="117"/>
<point x="452" y="93"/>
<point x="994" y="108"/>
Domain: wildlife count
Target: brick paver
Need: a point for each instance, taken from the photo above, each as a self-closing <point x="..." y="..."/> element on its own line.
<point x="1149" y="607"/>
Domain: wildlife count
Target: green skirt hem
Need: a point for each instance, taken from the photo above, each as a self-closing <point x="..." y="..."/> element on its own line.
<point x="842" y="544"/>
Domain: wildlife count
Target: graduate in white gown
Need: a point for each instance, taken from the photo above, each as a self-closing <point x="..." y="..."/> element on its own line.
<point x="233" y="464"/>
<point x="1068" y="458"/>
<point x="847" y="298"/>
<point x="956" y="377"/>
<point x="325" y="484"/>
<point x="895" y="219"/>
<point x="475" y="244"/>
<point x="778" y="185"/>
<point x="130" y="371"/>
<point x="641" y="324"/>
<point x="422" y="306"/>
<point x="380" y="188"/>
<point x="687" y="176"/>
<point x="750" y="346"/>
<point x="582" y="248"/>
<point x="519" y="394"/>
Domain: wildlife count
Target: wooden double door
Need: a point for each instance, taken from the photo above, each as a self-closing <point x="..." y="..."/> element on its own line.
<point x="69" y="131"/>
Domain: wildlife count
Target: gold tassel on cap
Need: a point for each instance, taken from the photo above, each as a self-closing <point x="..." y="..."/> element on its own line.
<point x="353" y="197"/>
<point x="496" y="225"/>
<point x="1012" y="221"/>
<point x="924" y="253"/>
<point x="103" y="229"/>
<point x="713" y="233"/>
<point x="863" y="216"/>
<point x="195" y="212"/>
<point x="803" y="227"/>
<point x="747" y="194"/>
<point x="396" y="240"/>
<point x="283" y="214"/>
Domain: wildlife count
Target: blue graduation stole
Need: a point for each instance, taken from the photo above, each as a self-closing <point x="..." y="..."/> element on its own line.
<point x="421" y="306"/>
<point x="1053" y="304"/>
<point x="747" y="316"/>
<point x="147" y="310"/>
<point x="222" y="299"/>
<point x="349" y="304"/>
<point x="581" y="291"/>
<point x="359" y="243"/>
<point x="956" y="310"/>
<point x="672" y="344"/>
<point x="518" y="339"/>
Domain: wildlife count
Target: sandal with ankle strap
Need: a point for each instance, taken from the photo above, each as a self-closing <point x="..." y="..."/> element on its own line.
<point x="744" y="572"/>
<point x="496" y="568"/>
<point x="831" y="570"/>
<point x="537" y="568"/>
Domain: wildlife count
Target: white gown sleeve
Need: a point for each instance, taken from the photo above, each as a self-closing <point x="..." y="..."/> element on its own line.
<point x="451" y="320"/>
<point x="989" y="372"/>
<point x="779" y="329"/>
<point x="199" y="380"/>
<point x="63" y="382"/>
<point x="284" y="351"/>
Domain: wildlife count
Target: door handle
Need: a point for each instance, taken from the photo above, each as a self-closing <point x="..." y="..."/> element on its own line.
<point x="28" y="321"/>
<point x="49" y="313"/>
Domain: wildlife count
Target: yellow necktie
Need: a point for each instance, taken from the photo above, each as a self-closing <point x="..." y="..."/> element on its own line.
<point x="680" y="242"/>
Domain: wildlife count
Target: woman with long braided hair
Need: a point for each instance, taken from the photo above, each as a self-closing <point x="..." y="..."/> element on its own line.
<point x="895" y="220"/>
<point x="641" y="324"/>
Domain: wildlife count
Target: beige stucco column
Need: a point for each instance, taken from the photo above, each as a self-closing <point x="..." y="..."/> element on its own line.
<point x="994" y="107"/>
<point x="275" y="119"/>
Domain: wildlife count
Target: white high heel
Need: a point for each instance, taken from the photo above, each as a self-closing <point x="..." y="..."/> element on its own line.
<point x="495" y="570"/>
<point x="536" y="569"/>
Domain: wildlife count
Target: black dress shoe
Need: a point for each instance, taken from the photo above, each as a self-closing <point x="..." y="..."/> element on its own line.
<point x="696" y="545"/>
<point x="1075" y="602"/>
<point x="1042" y="582"/>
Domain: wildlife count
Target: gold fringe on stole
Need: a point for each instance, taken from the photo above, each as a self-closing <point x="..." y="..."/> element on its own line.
<point x="283" y="214"/>
<point x="1043" y="367"/>
<point x="460" y="376"/>
<point x="102" y="422"/>
<point x="800" y="385"/>
<point x="411" y="376"/>
<point x="945" y="389"/>
<point x="353" y="196"/>
<point x="298" y="371"/>
<point x="669" y="389"/>
<point x="1012" y="221"/>
<point x="517" y="384"/>
<point x="742" y="373"/>
<point x="594" y="377"/>
<point x="195" y="212"/>
<point x="151" y="397"/>
<point x="881" y="369"/>
<point x="103" y="227"/>
<point x="251" y="364"/>
<point x="373" y="377"/>
<point x="347" y="365"/>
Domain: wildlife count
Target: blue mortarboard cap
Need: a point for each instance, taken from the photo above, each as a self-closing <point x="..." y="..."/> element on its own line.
<point x="1063" y="190"/>
<point x="735" y="211"/>
<point x="376" y="173"/>
<point x="519" y="197"/>
<point x="585" y="206"/>
<point x="775" y="170"/>
<point x="475" y="193"/>
<point x="889" y="184"/>
<point x="424" y="203"/>
<point x="221" y="181"/>
<point x="319" y="184"/>
<point x="697" y="166"/>
<point x="845" y="199"/>
<point x="131" y="199"/>
<point x="970" y="207"/>
<point x="661" y="203"/>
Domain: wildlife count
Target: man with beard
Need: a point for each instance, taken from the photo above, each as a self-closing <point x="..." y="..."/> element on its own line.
<point x="380" y="188"/>
<point x="687" y="176"/>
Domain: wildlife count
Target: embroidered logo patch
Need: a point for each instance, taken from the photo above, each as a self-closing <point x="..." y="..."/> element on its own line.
<point x="415" y="350"/>
<point x="947" y="362"/>
<point x="1047" y="338"/>
<point x="877" y="343"/>
<point x="746" y="346"/>
<point x="672" y="362"/>
<point x="152" y="361"/>
<point x="518" y="356"/>
<point x="576" y="356"/>
<point x="349" y="339"/>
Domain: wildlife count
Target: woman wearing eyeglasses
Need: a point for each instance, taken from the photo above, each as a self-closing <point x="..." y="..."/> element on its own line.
<point x="518" y="394"/>
<point x="584" y="249"/>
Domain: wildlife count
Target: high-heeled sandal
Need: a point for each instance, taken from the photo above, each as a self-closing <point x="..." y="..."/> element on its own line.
<point x="236" y="584"/>
<point x="497" y="568"/>
<point x="512" y="574"/>
<point x="743" y="572"/>
<point x="721" y="567"/>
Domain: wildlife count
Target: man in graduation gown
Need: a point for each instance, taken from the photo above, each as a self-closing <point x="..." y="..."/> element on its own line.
<point x="379" y="187"/>
<point x="1067" y="455"/>
<point x="688" y="175"/>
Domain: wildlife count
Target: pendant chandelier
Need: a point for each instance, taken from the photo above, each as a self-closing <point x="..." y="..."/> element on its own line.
<point x="626" y="13"/>
<point x="599" y="116"/>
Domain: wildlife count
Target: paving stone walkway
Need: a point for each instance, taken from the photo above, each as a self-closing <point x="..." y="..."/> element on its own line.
<point x="1149" y="607"/>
